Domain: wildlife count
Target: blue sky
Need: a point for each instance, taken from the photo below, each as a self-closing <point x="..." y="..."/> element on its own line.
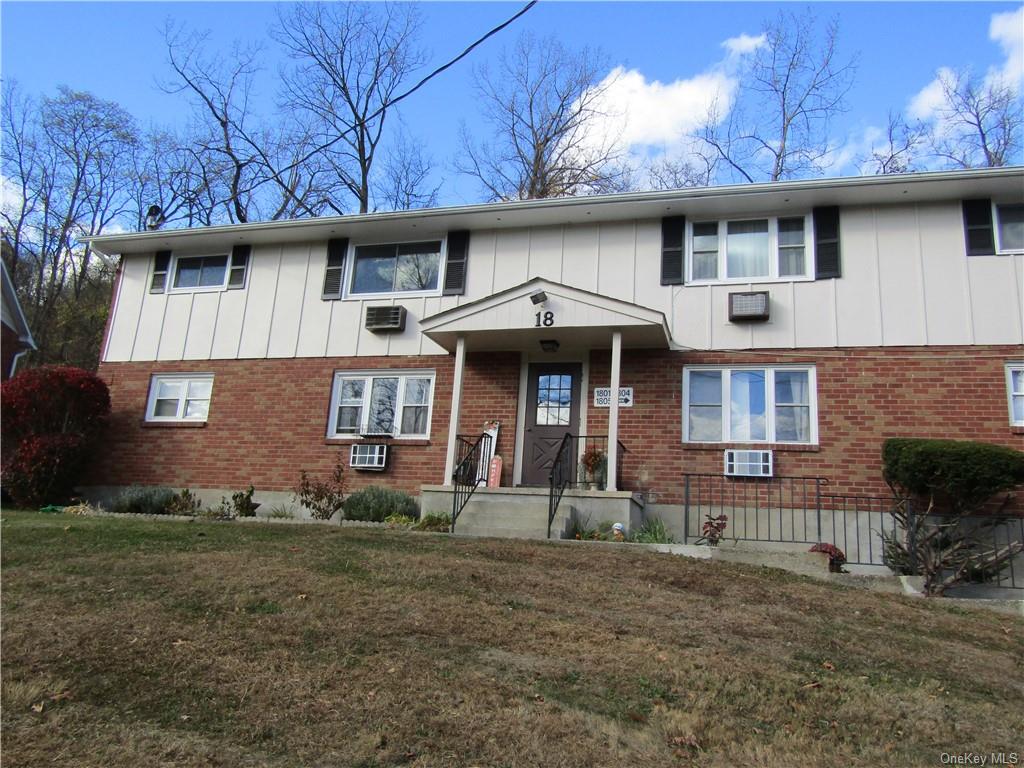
<point x="115" y="51"/>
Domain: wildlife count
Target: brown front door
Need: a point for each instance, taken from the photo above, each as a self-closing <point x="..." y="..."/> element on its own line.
<point x="552" y="410"/>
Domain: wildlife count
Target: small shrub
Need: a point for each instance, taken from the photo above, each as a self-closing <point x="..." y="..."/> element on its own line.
<point x="184" y="503"/>
<point x="281" y="512"/>
<point x="713" y="528"/>
<point x="653" y="531"/>
<point x="49" y="419"/>
<point x="82" y="508"/>
<point x="374" y="504"/>
<point x="580" y="529"/>
<point x="322" y="497"/>
<point x="242" y="503"/>
<point x="400" y="521"/>
<point x="435" y="521"/>
<point x="144" y="500"/>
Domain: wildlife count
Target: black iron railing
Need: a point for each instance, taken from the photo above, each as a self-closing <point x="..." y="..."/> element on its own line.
<point x="581" y="462"/>
<point x="470" y="471"/>
<point x="798" y="510"/>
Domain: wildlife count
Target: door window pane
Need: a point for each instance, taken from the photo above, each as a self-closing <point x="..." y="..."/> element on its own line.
<point x="554" y="400"/>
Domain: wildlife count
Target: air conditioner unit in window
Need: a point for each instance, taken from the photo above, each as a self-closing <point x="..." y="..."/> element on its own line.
<point x="371" y="456"/>
<point x="748" y="307"/>
<point x="748" y="463"/>
<point x="385" y="319"/>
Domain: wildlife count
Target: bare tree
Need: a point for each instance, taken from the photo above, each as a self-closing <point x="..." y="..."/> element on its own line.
<point x="980" y="123"/>
<point x="350" y="61"/>
<point x="791" y="88"/>
<point x="697" y="171"/>
<point x="405" y="181"/>
<point x="545" y="106"/>
<point x="899" y="149"/>
<point x="66" y="164"/>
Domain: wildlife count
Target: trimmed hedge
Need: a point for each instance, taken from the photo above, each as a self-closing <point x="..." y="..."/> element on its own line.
<point x="962" y="473"/>
<point x="375" y="504"/>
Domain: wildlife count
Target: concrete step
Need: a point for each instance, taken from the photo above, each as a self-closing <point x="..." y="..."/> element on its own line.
<point x="526" y="521"/>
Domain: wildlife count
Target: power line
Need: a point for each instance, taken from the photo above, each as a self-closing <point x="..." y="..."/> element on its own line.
<point x="360" y="123"/>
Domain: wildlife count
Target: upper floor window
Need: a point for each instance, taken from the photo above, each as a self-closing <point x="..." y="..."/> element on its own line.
<point x="180" y="397"/>
<point x="397" y="268"/>
<point x="1015" y="392"/>
<point x="200" y="271"/>
<point x="1009" y="227"/>
<point x="750" y="249"/>
<point x="750" y="405"/>
<point x="392" y="403"/>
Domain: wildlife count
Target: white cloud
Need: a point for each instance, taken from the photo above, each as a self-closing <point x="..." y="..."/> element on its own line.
<point x="1007" y="31"/>
<point x="743" y="44"/>
<point x="10" y="195"/>
<point x="639" y="113"/>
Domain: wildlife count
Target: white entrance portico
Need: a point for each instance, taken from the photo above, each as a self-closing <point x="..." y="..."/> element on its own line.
<point x="548" y="323"/>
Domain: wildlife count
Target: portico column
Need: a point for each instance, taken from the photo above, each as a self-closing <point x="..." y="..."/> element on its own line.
<point x="613" y="414"/>
<point x="453" y="423"/>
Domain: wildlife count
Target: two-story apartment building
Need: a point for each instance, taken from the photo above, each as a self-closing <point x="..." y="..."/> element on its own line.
<point x="811" y="319"/>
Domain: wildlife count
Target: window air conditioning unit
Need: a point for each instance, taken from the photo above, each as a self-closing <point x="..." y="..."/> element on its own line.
<point x="748" y="463"/>
<point x="385" y="319"/>
<point x="748" y="307"/>
<point x="371" y="456"/>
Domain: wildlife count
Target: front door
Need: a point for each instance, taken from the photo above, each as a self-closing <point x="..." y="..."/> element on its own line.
<point x="552" y="410"/>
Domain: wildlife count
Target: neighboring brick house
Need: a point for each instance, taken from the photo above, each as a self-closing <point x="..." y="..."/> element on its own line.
<point x="15" y="335"/>
<point x="812" y="319"/>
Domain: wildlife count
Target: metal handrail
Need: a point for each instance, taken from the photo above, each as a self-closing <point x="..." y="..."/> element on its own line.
<point x="559" y="477"/>
<point x="467" y="475"/>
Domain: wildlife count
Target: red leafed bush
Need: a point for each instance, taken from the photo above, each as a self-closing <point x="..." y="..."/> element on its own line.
<point x="49" y="419"/>
<point x="836" y="556"/>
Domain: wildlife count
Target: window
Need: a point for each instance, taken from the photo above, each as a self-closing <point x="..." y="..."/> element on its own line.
<point x="179" y="397"/>
<point x="750" y="249"/>
<point x="200" y="272"/>
<point x="393" y="403"/>
<point x="749" y="405"/>
<point x="1010" y="228"/>
<point x="1015" y="392"/>
<point x="396" y="268"/>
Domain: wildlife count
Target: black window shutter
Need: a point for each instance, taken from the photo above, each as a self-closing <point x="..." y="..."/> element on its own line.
<point x="673" y="229"/>
<point x="458" y="260"/>
<point x="337" y="249"/>
<point x="161" y="264"/>
<point x="978" y="232"/>
<point x="239" y="266"/>
<point x="828" y="259"/>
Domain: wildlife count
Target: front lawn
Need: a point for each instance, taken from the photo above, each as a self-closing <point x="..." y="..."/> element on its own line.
<point x="135" y="643"/>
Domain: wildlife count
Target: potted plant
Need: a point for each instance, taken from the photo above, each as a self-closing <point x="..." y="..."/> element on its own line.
<point x="594" y="463"/>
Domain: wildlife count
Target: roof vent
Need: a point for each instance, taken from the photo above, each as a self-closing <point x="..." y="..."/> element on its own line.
<point x="748" y="307"/>
<point x="385" y="319"/>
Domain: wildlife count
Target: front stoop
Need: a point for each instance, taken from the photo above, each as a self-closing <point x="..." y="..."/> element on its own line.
<point x="523" y="512"/>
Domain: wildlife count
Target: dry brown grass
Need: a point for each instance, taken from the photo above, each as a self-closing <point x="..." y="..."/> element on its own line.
<point x="177" y="644"/>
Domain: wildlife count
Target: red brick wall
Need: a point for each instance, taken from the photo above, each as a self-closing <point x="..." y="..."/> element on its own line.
<point x="864" y="396"/>
<point x="268" y="418"/>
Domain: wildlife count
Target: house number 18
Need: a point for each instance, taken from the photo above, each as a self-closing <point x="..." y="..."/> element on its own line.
<point x="545" y="319"/>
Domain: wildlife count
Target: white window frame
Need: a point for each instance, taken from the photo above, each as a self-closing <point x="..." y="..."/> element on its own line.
<point x="173" y="272"/>
<point x="997" y="230"/>
<point x="1017" y="365"/>
<point x="368" y="376"/>
<point x="350" y="269"/>
<point x="773" y="249"/>
<point x="769" y="371"/>
<point x="179" y="417"/>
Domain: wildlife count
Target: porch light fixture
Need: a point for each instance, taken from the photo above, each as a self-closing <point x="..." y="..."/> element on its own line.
<point x="549" y="345"/>
<point x="538" y="297"/>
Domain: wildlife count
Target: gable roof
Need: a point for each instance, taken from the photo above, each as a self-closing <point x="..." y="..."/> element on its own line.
<point x="10" y="309"/>
<point x="510" y="320"/>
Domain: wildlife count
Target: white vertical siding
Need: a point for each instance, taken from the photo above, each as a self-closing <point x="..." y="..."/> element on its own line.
<point x="906" y="281"/>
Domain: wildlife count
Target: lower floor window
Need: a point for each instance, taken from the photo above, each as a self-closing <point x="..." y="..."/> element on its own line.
<point x="1015" y="392"/>
<point x="750" y="405"/>
<point x="395" y="403"/>
<point x="179" y="397"/>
